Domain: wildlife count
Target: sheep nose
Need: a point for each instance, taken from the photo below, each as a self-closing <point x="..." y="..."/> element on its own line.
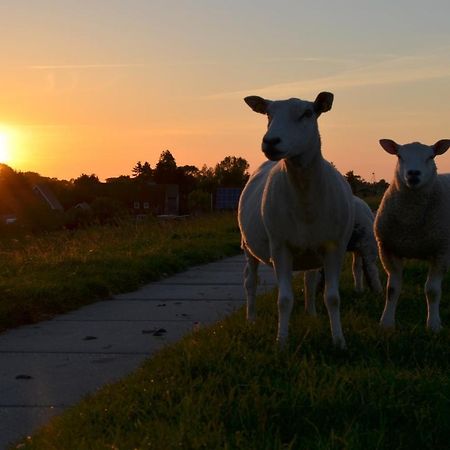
<point x="271" y="141"/>
<point x="269" y="148"/>
<point x="413" y="177"/>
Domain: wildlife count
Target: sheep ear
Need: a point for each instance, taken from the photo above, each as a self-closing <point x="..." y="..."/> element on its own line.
<point x="323" y="102"/>
<point x="441" y="146"/>
<point x="389" y="145"/>
<point x="258" y="104"/>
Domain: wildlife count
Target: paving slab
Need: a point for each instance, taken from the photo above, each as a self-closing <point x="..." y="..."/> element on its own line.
<point x="94" y="337"/>
<point x="58" y="380"/>
<point x="221" y="273"/>
<point x="203" y="311"/>
<point x="51" y="365"/>
<point x="160" y="291"/>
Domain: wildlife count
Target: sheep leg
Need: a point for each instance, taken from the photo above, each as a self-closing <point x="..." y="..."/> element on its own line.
<point x="250" y="283"/>
<point x="394" y="268"/>
<point x="372" y="275"/>
<point x="433" y="294"/>
<point x="282" y="262"/>
<point x="357" y="269"/>
<point x="311" y="279"/>
<point x="332" y="268"/>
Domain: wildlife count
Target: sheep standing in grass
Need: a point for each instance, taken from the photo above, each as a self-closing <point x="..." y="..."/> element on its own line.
<point x="413" y="221"/>
<point x="363" y="247"/>
<point x="297" y="210"/>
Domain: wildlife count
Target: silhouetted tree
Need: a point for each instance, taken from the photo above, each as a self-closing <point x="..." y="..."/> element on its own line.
<point x="137" y="169"/>
<point x="206" y="180"/>
<point x="355" y="181"/>
<point x="147" y="172"/>
<point x="87" y="187"/>
<point x="187" y="178"/>
<point x="16" y="193"/>
<point x="166" y="169"/>
<point x="232" y="172"/>
<point x="121" y="188"/>
<point x="142" y="172"/>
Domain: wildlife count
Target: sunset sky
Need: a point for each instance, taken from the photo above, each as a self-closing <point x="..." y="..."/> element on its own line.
<point x="93" y="87"/>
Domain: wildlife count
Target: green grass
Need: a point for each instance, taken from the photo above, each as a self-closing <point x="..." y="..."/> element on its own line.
<point x="41" y="276"/>
<point x="230" y="387"/>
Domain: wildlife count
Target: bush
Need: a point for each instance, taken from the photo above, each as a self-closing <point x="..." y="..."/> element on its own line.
<point x="199" y="201"/>
<point x="107" y="210"/>
<point x="37" y="218"/>
<point x="78" y="218"/>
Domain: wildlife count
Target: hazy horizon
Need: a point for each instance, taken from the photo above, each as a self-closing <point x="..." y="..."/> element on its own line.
<point x="94" y="88"/>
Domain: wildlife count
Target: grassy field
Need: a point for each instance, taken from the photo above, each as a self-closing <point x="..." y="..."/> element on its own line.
<point x="229" y="387"/>
<point x="41" y="276"/>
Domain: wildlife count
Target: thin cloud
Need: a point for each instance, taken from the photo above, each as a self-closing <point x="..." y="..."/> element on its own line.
<point x="313" y="59"/>
<point x="85" y="66"/>
<point x="391" y="71"/>
<point x="119" y="65"/>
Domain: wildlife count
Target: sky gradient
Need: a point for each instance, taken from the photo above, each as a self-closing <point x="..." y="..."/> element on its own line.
<point x="93" y="87"/>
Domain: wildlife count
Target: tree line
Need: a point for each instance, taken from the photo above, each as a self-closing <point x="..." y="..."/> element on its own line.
<point x="111" y="199"/>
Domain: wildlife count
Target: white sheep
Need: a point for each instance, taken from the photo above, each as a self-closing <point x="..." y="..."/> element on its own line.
<point x="413" y="221"/>
<point x="297" y="210"/>
<point x="363" y="247"/>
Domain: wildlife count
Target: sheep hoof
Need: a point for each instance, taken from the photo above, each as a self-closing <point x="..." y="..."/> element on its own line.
<point x="434" y="327"/>
<point x="281" y="342"/>
<point x="340" y="343"/>
<point x="251" y="319"/>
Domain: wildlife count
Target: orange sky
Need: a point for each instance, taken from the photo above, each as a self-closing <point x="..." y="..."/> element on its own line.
<point x="97" y="87"/>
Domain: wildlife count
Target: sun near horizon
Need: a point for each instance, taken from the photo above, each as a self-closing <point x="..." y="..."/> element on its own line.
<point x="14" y="143"/>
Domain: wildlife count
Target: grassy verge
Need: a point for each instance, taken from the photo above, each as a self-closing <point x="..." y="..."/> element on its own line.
<point x="51" y="274"/>
<point x="228" y="386"/>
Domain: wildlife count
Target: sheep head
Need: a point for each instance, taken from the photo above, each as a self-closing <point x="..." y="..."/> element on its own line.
<point x="415" y="165"/>
<point x="292" y="131"/>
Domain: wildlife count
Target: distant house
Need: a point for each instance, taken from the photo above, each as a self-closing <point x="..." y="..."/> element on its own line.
<point x="227" y="198"/>
<point x="46" y="194"/>
<point x="157" y="199"/>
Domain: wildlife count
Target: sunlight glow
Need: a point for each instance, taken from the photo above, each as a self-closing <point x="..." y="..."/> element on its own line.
<point x="4" y="148"/>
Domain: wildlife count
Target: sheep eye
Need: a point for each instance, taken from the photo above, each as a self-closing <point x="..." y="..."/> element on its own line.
<point x="307" y="113"/>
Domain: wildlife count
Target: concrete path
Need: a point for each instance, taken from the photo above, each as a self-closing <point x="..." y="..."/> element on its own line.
<point x="51" y="365"/>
